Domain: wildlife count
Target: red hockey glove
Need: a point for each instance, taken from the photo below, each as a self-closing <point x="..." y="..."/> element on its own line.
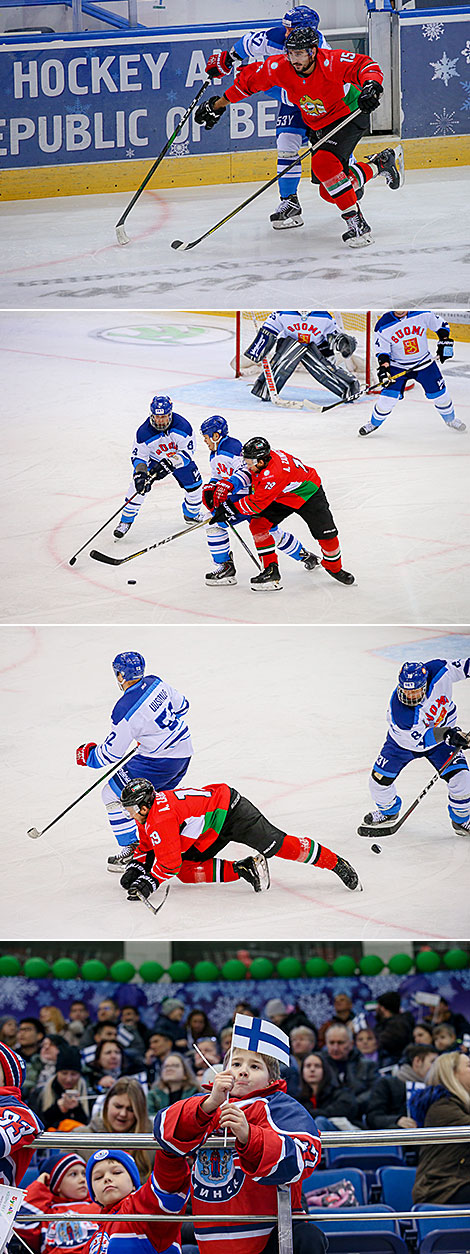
<point x="222" y="491"/>
<point x="219" y="63"/>
<point x="208" y="495"/>
<point x="84" y="751"/>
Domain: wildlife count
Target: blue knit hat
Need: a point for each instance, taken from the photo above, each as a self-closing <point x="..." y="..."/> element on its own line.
<point x="121" y="1157"/>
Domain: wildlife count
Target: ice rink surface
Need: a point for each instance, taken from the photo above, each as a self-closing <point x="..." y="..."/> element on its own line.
<point x="62" y="252"/>
<point x="75" y="388"/>
<point x="292" y="717"/>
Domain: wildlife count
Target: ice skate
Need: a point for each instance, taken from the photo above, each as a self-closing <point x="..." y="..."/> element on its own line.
<point x="255" y="871"/>
<point x="309" y="560"/>
<point x="122" y="528"/>
<point x="358" y="234"/>
<point x="190" y="518"/>
<point x="347" y="875"/>
<point x="382" y="821"/>
<point x="367" y="428"/>
<point x="456" y="425"/>
<point x="224" y="573"/>
<point x="287" y="214"/>
<point x="119" y="861"/>
<point x="390" y="162"/>
<point x="269" y="580"/>
<point x="462" y="829"/>
<point x="342" y="576"/>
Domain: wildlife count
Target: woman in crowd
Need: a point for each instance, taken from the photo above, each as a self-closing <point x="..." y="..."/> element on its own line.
<point x="52" y="1020"/>
<point x="110" y="1062"/>
<point x="197" y="1025"/>
<point x="422" y="1034"/>
<point x="63" y="1101"/>
<point x="176" y="1080"/>
<point x="320" y="1093"/>
<point x="443" y="1172"/>
<point x="124" y="1110"/>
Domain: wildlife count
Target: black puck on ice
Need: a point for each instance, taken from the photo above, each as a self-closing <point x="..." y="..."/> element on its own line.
<point x="132" y="580"/>
<point x="376" y="848"/>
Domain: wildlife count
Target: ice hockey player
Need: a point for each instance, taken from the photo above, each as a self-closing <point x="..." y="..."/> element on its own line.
<point x="337" y="83"/>
<point x="18" y="1124"/>
<point x="422" y="720"/>
<point x="153" y="713"/>
<point x="308" y="339"/>
<point x="183" y="831"/>
<point x="280" y="485"/>
<point x="290" y="127"/>
<point x="164" y="445"/>
<point x="226" y="462"/>
<point x="276" y="1143"/>
<point x="114" y="1184"/>
<point x="402" y="349"/>
<point x="60" y="1188"/>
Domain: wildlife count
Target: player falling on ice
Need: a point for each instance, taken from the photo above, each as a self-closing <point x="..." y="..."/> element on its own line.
<point x="422" y="720"/>
<point x="182" y="832"/>
<point x="164" y="445"/>
<point x="401" y="345"/>
<point x="280" y="485"/>
<point x="153" y="713"/>
<point x="226" y="462"/>
<point x="327" y="86"/>
<point x="308" y="339"/>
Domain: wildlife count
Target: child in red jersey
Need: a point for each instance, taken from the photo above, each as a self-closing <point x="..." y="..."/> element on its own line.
<point x="276" y="1143"/>
<point x="114" y="1184"/>
<point x="18" y="1124"/>
<point x="61" y="1187"/>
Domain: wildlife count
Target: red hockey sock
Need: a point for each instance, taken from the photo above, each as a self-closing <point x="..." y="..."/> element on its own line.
<point x="265" y="547"/>
<point x="331" y="550"/>
<point x="335" y="184"/>
<point x="327" y="858"/>
<point x="214" y="871"/>
<point x="303" y="849"/>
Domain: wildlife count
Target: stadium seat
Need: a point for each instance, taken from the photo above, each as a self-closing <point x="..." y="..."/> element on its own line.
<point x="433" y="1227"/>
<point x="454" y="1241"/>
<point x="323" y="1179"/>
<point x="396" y="1185"/>
<point x="30" y="1174"/>
<point x="386" y="1224"/>
<point x="374" y="1236"/>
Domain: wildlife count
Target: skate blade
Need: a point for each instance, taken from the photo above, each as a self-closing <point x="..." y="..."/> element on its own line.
<point x="267" y="587"/>
<point x="400" y="164"/>
<point x="362" y="242"/>
<point x="220" y="583"/>
<point x="263" y="872"/>
<point x="286" y="226"/>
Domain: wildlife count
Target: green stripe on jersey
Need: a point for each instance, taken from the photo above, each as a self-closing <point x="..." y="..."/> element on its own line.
<point x="214" y="819"/>
<point x="307" y="489"/>
<point x="312" y="851"/>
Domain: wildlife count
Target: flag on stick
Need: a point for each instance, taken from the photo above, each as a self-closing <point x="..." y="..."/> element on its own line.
<point x="261" y="1037"/>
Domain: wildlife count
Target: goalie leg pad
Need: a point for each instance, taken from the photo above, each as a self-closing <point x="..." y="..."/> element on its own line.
<point x="331" y="377"/>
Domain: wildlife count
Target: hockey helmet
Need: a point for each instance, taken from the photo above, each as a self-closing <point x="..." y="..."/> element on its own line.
<point x="257" y="449"/>
<point x="137" y="793"/>
<point x="302" y="16"/>
<point x="412" y="683"/>
<point x="129" y="666"/>
<point x="161" y="412"/>
<point x="301" y="39"/>
<point x="215" y="425"/>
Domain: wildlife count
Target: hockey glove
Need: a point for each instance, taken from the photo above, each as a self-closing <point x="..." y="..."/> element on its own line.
<point x="222" y="491"/>
<point x="369" y="98"/>
<point x="141" y="482"/>
<point x="445" y="348"/>
<point x="261" y="345"/>
<point x="224" y="514"/>
<point x="83" y="753"/>
<point x="345" y="344"/>
<point x="456" y="738"/>
<point x="206" y="115"/>
<point x="136" y="880"/>
<point x="383" y="373"/>
<point x="219" y="63"/>
<point x="208" y="495"/>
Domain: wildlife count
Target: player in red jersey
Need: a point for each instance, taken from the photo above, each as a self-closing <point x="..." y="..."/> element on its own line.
<point x="182" y="832"/>
<point x="327" y="86"/>
<point x="281" y="484"/>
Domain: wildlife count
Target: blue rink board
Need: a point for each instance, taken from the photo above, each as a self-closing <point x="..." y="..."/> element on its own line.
<point x="453" y="646"/>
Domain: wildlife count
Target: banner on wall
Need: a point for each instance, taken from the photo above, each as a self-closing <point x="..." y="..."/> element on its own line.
<point x="435" y="74"/>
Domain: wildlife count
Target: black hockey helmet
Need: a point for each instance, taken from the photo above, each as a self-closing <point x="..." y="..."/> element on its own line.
<point x="257" y="449"/>
<point x="138" y="792"/>
<point x="301" y="37"/>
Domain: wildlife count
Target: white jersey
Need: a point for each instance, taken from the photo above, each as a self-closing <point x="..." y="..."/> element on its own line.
<point x="405" y="339"/>
<point x="177" y="443"/>
<point x="307" y="328"/>
<point x="412" y="727"/>
<point x="227" y="462"/>
<point x="152" y="713"/>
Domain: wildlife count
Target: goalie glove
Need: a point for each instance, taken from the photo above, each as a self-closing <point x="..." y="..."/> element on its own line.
<point x="135" y="880"/>
<point x="456" y="738"/>
<point x="206" y="115"/>
<point x="445" y="348"/>
<point x="261" y="345"/>
<point x="345" y="344"/>
<point x="219" y="63"/>
<point x="369" y="98"/>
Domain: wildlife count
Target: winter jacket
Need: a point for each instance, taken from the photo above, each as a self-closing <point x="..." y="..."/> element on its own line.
<point x="165" y="1192"/>
<point x="442" y="1169"/>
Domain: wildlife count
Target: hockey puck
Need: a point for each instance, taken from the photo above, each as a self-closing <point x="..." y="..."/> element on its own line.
<point x="376" y="848"/>
<point x="132" y="580"/>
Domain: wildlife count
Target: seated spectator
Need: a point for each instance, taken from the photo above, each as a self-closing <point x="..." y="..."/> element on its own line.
<point x="444" y="1014"/>
<point x="132" y="1033"/>
<point x="349" y="1067"/>
<point x="443" y="1172"/>
<point x="63" y="1102"/>
<point x="302" y="1042"/>
<point x="225" y="1038"/>
<point x="48" y="1054"/>
<point x="113" y="1183"/>
<point x="197" y="1024"/>
<point x="76" y="1023"/>
<point x="176" y="1081"/>
<point x="388" y="1105"/>
<point x="19" y="1124"/>
<point x="108" y="1012"/>
<point x="110" y="1062"/>
<point x="60" y="1187"/>
<point x="106" y="1031"/>
<point x="158" y="1048"/>
<point x="394" y="1030"/>
<point x="276" y="1011"/>
<point x="422" y="1034"/>
<point x="170" y="1019"/>
<point x="8" y="1030"/>
<point x="365" y="1041"/>
<point x="124" y="1110"/>
<point x="342" y="1013"/>
<point x="320" y="1092"/>
<point x="52" y="1020"/>
<point x="210" y="1048"/>
<point x="28" y="1043"/>
<point x="444" y="1038"/>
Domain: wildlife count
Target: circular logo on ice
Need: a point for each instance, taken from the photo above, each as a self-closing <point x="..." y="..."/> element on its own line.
<point x="163" y="334"/>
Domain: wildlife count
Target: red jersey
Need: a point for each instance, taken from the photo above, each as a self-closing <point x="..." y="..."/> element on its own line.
<point x="285" y="479"/>
<point x="165" y="1192"/>
<point x="177" y="820"/>
<point x="320" y="96"/>
<point x="18" y="1128"/>
<point x="44" y="1235"/>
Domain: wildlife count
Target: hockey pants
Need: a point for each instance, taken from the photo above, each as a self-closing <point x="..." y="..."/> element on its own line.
<point x="289" y="354"/>
<point x="188" y="478"/>
<point x="391" y="761"/>
<point x="320" y="522"/>
<point x="246" y="825"/>
<point x="432" y="383"/>
<point x="339" y="180"/>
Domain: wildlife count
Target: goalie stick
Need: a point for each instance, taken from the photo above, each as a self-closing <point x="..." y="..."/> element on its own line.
<point x="377" y="830"/>
<point x="270" y="381"/>
<point x="118" y="561"/>
<point x="34" y="833"/>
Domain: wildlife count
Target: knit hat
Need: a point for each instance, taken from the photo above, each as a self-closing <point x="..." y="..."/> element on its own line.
<point x="171" y="1003"/>
<point x="13" y="1067"/>
<point x="57" y="1165"/>
<point x="68" y="1058"/>
<point x="275" y="1007"/>
<point x="390" y="1001"/>
<point x="121" y="1157"/>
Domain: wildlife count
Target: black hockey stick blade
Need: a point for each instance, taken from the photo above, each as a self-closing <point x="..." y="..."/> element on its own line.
<point x="377" y="832"/>
<point x="113" y="561"/>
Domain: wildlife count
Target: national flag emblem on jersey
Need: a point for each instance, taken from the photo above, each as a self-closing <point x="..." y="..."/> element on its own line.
<point x="261" y="1037"/>
<point x="304" y="338"/>
<point x="312" y="106"/>
<point x="410" y="346"/>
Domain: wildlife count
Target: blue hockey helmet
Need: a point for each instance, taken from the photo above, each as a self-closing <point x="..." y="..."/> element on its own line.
<point x="302" y="16"/>
<point x="412" y="683"/>
<point x="129" y="666"/>
<point x="161" y="412"/>
<point x="215" y="425"/>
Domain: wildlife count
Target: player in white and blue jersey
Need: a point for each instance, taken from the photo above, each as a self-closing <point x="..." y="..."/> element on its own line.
<point x="227" y="463"/>
<point x="152" y="713"/>
<point x="402" y="349"/>
<point x="307" y="338"/>
<point x="422" y="718"/>
<point x="164" y="445"/>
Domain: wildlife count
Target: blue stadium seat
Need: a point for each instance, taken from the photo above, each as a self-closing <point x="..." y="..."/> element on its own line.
<point x="386" y="1224"/>
<point x="323" y="1179"/>
<point x="396" y="1184"/>
<point x="375" y="1236"/>
<point x="368" y="1159"/>
<point x="427" y="1227"/>
<point x="30" y="1174"/>
<point x="454" y="1241"/>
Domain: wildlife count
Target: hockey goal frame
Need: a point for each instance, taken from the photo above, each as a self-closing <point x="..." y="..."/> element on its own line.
<point x="361" y="363"/>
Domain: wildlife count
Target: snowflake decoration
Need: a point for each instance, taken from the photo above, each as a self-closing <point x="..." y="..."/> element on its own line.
<point x="466" y="89"/>
<point x="180" y="149"/>
<point x="15" y="993"/>
<point x="466" y="52"/>
<point x="129" y="152"/>
<point x="445" y="123"/>
<point x="432" y="29"/>
<point x="445" y="68"/>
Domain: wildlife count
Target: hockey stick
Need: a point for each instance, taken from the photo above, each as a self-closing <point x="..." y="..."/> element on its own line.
<point x="118" y="561"/>
<point x="145" y="900"/>
<point x="270" y="380"/>
<point x="179" y="243"/>
<point x="244" y="545"/>
<point x="364" y="392"/>
<point x="377" y="830"/>
<point x="121" y="236"/>
<point x="73" y="559"/>
<point x="33" y="831"/>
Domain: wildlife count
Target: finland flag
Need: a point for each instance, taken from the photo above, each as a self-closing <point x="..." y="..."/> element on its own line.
<point x="261" y="1037"/>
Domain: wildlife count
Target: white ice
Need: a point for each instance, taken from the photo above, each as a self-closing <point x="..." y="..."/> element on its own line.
<point x="292" y="717"/>
<point x="72" y="402"/>
<point x="62" y="252"/>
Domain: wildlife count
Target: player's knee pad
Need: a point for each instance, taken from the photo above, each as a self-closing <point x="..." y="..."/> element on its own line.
<point x="110" y="795"/>
<point x="383" y="791"/>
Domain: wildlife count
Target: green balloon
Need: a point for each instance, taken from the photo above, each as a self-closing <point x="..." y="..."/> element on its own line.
<point x="316" y="967"/>
<point x="289" y="968"/>
<point x="65" y="969"/>
<point x="9" y="965"/>
<point x="344" y="965"/>
<point x="400" y="964"/>
<point x="206" y="971"/>
<point x="122" y="971"/>
<point x="36" y="968"/>
<point x="179" y="972"/>
<point x="371" y="964"/>
<point x="94" y="970"/>
<point x="455" y="959"/>
<point x="261" y="969"/>
<point x="234" y="969"/>
<point x="428" y="960"/>
<point x="151" y="972"/>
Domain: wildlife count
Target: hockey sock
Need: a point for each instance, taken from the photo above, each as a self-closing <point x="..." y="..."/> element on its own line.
<point x="219" y="545"/>
<point x="121" y="824"/>
<point x="302" y="849"/>
<point x="192" y="502"/>
<point x="331" y="550"/>
<point x="335" y="185"/>
<point x="288" y="183"/>
<point x="286" y="543"/>
<point x="214" y="871"/>
<point x="383" y="407"/>
<point x="360" y="173"/>
<point x="131" y="508"/>
<point x="444" y="405"/>
<point x="263" y="539"/>
<point x="459" y="795"/>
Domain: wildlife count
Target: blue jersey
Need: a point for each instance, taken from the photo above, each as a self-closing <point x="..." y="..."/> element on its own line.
<point x="152" y="713"/>
<point x="412" y="727"/>
<point x="175" y="445"/>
